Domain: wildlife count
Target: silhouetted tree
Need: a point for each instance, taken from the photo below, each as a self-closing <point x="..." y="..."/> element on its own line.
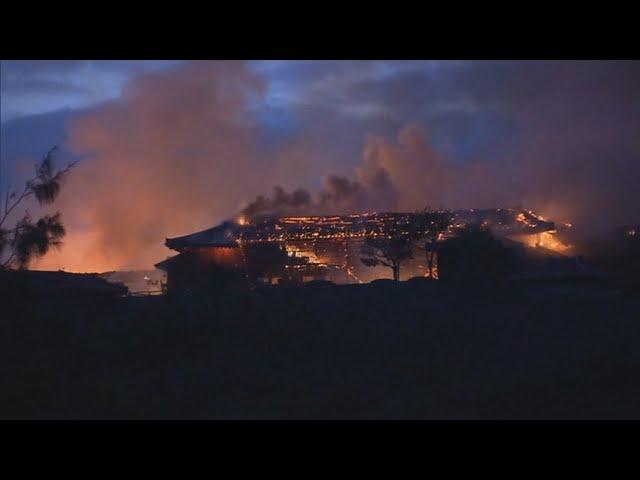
<point x="475" y="255"/>
<point x="389" y="251"/>
<point x="265" y="260"/>
<point x="28" y="239"/>
<point x="428" y="226"/>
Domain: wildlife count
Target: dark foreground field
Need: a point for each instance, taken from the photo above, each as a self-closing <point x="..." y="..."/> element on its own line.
<point x="411" y="351"/>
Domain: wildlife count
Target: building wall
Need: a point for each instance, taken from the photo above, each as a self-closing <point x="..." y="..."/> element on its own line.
<point x="204" y="269"/>
<point x="290" y="262"/>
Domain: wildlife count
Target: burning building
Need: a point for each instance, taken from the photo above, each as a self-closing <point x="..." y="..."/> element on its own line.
<point x="298" y="249"/>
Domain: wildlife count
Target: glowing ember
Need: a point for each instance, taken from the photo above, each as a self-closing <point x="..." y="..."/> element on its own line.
<point x="328" y="246"/>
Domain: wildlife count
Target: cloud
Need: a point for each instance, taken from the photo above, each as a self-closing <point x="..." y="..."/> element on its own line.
<point x="30" y="87"/>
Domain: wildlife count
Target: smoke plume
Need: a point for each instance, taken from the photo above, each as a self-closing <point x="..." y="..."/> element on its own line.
<point x="178" y="152"/>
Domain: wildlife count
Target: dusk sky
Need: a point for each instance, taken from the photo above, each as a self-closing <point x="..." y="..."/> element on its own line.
<point x="171" y="147"/>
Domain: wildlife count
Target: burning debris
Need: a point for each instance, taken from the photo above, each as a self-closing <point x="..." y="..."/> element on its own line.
<point x="309" y="247"/>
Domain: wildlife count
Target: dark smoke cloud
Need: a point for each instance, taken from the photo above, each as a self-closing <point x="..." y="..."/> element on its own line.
<point x="280" y="203"/>
<point x="373" y="191"/>
<point x="339" y="195"/>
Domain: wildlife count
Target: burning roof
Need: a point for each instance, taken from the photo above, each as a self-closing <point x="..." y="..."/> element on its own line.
<point x="223" y="235"/>
<point x="503" y="221"/>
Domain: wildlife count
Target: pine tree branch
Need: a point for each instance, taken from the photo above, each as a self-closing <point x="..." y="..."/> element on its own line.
<point x="8" y="209"/>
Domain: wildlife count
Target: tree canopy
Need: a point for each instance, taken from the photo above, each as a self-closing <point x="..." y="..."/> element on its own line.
<point x="390" y="251"/>
<point x="428" y="227"/>
<point x="475" y="255"/>
<point x="28" y="239"/>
